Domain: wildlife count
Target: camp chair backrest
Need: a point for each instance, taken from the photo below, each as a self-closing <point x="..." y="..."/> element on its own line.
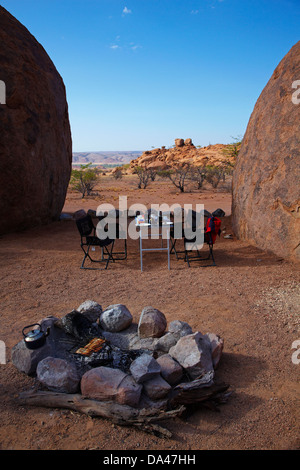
<point x="85" y="226"/>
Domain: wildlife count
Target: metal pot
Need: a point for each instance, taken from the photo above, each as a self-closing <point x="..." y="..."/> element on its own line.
<point x="35" y="338"/>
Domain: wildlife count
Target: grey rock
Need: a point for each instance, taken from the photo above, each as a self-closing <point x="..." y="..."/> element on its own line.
<point x="180" y="328"/>
<point x="122" y="339"/>
<point x="152" y="323"/>
<point x="115" y="318"/>
<point x="193" y="352"/>
<point x="47" y="322"/>
<point x="56" y="338"/>
<point x="144" y="368"/>
<point x="165" y="342"/>
<point x="171" y="370"/>
<point x="91" y="309"/>
<point x="156" y="388"/>
<point x="78" y="325"/>
<point x="129" y="392"/>
<point x="142" y="343"/>
<point x="58" y="375"/>
<point x="217" y="345"/>
<point x="26" y="360"/>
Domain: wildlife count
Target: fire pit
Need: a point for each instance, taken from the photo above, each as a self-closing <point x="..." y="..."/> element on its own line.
<point x="101" y="363"/>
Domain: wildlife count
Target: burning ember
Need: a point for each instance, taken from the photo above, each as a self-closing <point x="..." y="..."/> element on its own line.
<point x="94" y="346"/>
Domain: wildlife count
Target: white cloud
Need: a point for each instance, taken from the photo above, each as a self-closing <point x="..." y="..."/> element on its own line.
<point x="125" y="47"/>
<point x="126" y="11"/>
<point x="194" y="12"/>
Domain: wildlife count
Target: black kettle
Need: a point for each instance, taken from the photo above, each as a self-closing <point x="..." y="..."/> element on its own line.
<point x="35" y="338"/>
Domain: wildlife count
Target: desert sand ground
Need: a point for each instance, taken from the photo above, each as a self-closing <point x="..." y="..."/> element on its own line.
<point x="251" y="299"/>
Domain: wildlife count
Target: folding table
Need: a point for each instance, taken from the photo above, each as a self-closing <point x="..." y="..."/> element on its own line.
<point x="163" y="228"/>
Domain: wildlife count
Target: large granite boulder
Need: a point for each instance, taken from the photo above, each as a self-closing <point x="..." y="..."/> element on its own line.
<point x="266" y="179"/>
<point x="35" y="144"/>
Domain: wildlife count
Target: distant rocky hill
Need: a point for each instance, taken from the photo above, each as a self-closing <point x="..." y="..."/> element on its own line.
<point x="184" y="151"/>
<point x="105" y="158"/>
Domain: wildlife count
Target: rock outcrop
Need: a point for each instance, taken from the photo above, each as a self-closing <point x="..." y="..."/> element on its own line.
<point x="35" y="136"/>
<point x="266" y="202"/>
<point x="184" y="152"/>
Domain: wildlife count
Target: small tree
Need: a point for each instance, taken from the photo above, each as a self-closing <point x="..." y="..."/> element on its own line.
<point x="152" y="173"/>
<point x="84" y="179"/>
<point x="198" y="174"/>
<point x="143" y="175"/>
<point x="231" y="151"/>
<point x="214" y="175"/>
<point x="178" y="176"/>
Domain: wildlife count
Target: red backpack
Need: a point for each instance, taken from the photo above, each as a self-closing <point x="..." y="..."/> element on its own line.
<point x="212" y="229"/>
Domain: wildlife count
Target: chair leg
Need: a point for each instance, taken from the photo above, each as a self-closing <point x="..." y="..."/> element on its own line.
<point x="173" y="249"/>
<point x="212" y="255"/>
<point x="173" y="243"/>
<point x="108" y="258"/>
<point x="86" y="255"/>
<point x="187" y="258"/>
<point x="109" y="253"/>
<point x="103" y="259"/>
<point x="122" y="253"/>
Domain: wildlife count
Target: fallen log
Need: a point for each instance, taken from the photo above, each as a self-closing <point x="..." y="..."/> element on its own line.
<point x="201" y="390"/>
<point x="119" y="414"/>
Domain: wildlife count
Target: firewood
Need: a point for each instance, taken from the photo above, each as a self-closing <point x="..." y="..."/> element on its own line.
<point x="202" y="390"/>
<point x="119" y="414"/>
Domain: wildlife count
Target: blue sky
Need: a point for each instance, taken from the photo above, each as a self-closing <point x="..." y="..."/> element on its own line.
<point x="140" y="73"/>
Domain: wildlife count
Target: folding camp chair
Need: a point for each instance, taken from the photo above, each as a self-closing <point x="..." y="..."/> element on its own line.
<point x="89" y="240"/>
<point x="120" y="233"/>
<point x="179" y="227"/>
<point x="212" y="230"/>
<point x="176" y="230"/>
